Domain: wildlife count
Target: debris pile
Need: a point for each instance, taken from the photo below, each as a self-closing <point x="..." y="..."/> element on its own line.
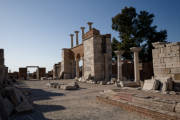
<point x="12" y="100"/>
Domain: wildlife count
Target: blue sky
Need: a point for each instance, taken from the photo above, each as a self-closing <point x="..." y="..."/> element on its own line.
<point x="33" y="32"/>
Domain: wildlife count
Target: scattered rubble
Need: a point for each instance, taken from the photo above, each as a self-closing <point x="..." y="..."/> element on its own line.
<point x="12" y="101"/>
<point x="69" y="86"/>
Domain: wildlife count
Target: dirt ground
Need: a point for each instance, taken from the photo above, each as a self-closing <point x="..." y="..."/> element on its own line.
<point x="55" y="104"/>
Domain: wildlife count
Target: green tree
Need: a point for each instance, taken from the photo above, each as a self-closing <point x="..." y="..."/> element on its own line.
<point x="136" y="30"/>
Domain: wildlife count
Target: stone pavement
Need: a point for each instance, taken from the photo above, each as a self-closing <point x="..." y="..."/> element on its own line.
<point x="55" y="104"/>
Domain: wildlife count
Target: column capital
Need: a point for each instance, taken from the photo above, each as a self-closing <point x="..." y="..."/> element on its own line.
<point x="136" y="49"/>
<point x="82" y="28"/>
<point x="119" y="52"/>
<point x="71" y="35"/>
<point x="90" y="25"/>
<point x="76" y="32"/>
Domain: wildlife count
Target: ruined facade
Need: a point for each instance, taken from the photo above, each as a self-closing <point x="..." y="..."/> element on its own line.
<point x="41" y="72"/>
<point x="56" y="70"/>
<point x="166" y="60"/>
<point x="3" y="68"/>
<point x="94" y="53"/>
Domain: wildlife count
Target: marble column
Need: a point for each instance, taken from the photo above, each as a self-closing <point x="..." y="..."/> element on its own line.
<point x="77" y="41"/>
<point x="136" y="51"/>
<point x="77" y="68"/>
<point x="82" y="29"/>
<point x="90" y="25"/>
<point x="119" y="65"/>
<point x="71" y="40"/>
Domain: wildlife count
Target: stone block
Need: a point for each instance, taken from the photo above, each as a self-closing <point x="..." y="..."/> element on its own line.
<point x="9" y="106"/>
<point x="175" y="70"/>
<point x="177" y="108"/>
<point x="151" y="84"/>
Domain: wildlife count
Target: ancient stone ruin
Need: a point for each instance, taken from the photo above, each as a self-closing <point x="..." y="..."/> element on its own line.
<point x="40" y="72"/>
<point x="166" y="65"/>
<point x="12" y="100"/>
<point x="95" y="54"/>
<point x="3" y="68"/>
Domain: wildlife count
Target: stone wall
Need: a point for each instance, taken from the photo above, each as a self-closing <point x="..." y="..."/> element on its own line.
<point x="42" y="72"/>
<point x="97" y="56"/>
<point x="56" y="70"/>
<point x="166" y="60"/>
<point x="23" y="73"/>
<point x="67" y="64"/>
<point x="3" y="68"/>
<point x="88" y="58"/>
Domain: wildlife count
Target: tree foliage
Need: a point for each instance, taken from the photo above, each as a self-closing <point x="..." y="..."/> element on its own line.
<point x="136" y="30"/>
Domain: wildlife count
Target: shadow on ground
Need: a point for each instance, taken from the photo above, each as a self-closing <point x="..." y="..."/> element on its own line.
<point x="37" y="95"/>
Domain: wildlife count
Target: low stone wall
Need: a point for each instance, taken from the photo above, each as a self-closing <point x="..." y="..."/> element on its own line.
<point x="155" y="105"/>
<point x="166" y="59"/>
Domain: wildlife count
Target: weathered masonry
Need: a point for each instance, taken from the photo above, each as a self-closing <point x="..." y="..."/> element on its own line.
<point x="94" y="53"/>
<point x="166" y="60"/>
<point x="39" y="73"/>
<point x="56" y="70"/>
<point x="3" y="68"/>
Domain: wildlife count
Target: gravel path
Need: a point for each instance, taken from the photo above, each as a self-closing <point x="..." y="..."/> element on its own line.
<point x="54" y="104"/>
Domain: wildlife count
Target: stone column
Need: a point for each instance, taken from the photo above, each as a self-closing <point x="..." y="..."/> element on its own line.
<point x="2" y="57"/>
<point x="90" y="25"/>
<point x="119" y="65"/>
<point x="77" y="68"/>
<point x="82" y="29"/>
<point x="37" y="74"/>
<point x="71" y="40"/>
<point x="136" y="51"/>
<point x="77" y="41"/>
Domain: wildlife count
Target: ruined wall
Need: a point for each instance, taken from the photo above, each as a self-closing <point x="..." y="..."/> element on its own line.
<point x="88" y="58"/>
<point x="23" y="73"/>
<point x="3" y="68"/>
<point x="42" y="72"/>
<point x="67" y="64"/>
<point x="166" y="60"/>
<point x="56" y="70"/>
<point x="97" y="55"/>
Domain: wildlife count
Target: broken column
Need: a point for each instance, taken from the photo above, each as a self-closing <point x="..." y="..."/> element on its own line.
<point x="119" y="65"/>
<point x="136" y="51"/>
<point x="71" y="40"/>
<point x="77" y="41"/>
<point x="82" y="29"/>
<point x="90" y="25"/>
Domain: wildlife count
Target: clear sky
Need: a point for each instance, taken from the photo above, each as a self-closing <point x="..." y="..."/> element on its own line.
<point x="33" y="32"/>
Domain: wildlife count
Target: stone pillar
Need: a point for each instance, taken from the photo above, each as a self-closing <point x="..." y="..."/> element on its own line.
<point x="136" y="51"/>
<point x="119" y="65"/>
<point x="77" y="68"/>
<point x="2" y="57"/>
<point x="90" y="25"/>
<point x="71" y="40"/>
<point x="37" y="74"/>
<point x="106" y="68"/>
<point x="82" y="29"/>
<point x="77" y="41"/>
